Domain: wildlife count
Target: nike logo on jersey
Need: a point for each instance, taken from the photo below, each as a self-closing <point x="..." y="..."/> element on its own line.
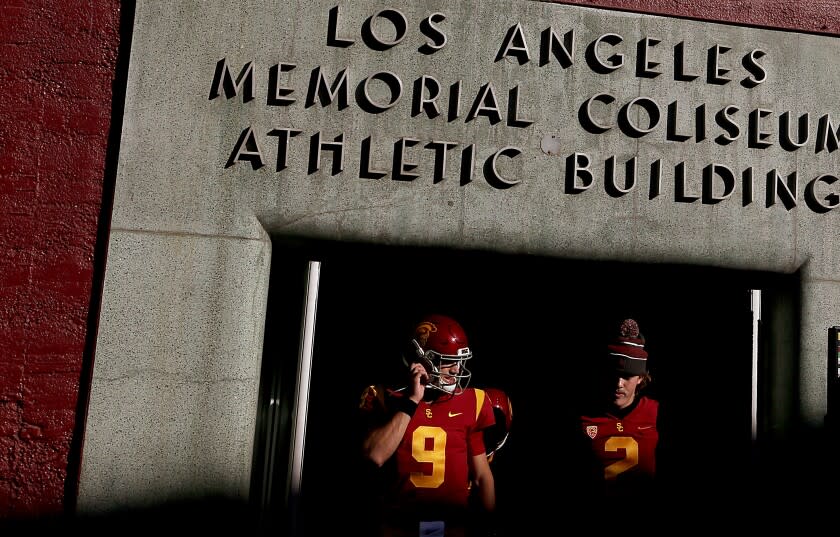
<point x="645" y="427"/>
<point x="452" y="415"/>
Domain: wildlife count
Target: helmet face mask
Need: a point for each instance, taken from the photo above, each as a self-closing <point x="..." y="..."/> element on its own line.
<point x="440" y="344"/>
<point x="441" y="374"/>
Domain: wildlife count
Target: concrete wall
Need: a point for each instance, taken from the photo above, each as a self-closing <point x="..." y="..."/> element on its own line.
<point x="57" y="68"/>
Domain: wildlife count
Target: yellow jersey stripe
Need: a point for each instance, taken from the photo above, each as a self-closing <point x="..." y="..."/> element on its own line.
<point x="479" y="400"/>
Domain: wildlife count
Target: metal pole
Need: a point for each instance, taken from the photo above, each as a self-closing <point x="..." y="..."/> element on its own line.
<point x="302" y="391"/>
<point x="755" y="306"/>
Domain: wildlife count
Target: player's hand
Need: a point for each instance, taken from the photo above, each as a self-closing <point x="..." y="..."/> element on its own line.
<point x="419" y="378"/>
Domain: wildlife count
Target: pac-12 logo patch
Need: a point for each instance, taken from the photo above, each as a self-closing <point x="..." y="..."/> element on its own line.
<point x="592" y="431"/>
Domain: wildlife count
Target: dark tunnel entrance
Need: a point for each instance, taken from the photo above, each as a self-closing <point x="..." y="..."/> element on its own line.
<point x="534" y="325"/>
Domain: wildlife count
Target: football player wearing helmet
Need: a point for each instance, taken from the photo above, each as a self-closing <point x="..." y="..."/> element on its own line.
<point x="428" y="436"/>
<point x="440" y="346"/>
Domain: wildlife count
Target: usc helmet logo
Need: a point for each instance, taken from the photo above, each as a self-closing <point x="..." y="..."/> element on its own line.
<point x="421" y="333"/>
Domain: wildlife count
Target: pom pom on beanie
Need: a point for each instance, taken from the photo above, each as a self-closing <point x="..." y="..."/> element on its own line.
<point x="628" y="349"/>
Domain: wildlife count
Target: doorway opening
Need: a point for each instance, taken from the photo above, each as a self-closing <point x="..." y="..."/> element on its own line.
<point x="533" y="324"/>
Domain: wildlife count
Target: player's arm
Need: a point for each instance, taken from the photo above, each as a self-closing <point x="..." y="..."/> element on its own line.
<point x="479" y="462"/>
<point x="484" y="481"/>
<point x="480" y="471"/>
<point x="382" y="441"/>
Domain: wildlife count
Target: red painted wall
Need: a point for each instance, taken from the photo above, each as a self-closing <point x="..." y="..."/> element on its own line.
<point x="57" y="65"/>
<point x="58" y="61"/>
<point x="814" y="16"/>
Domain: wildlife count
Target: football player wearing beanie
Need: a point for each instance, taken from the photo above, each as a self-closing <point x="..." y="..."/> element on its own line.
<point x="622" y="433"/>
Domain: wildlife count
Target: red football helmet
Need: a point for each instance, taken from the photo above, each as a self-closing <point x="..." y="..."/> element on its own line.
<point x="496" y="435"/>
<point x="440" y="344"/>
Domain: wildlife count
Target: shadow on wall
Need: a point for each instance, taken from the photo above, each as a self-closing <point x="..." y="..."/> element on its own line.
<point x="207" y="516"/>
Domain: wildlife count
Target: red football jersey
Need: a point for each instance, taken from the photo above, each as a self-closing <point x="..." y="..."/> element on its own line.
<point x="625" y="446"/>
<point x="431" y="460"/>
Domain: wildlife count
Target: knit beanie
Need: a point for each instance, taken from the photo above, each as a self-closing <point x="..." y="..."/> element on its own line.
<point x="628" y="349"/>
